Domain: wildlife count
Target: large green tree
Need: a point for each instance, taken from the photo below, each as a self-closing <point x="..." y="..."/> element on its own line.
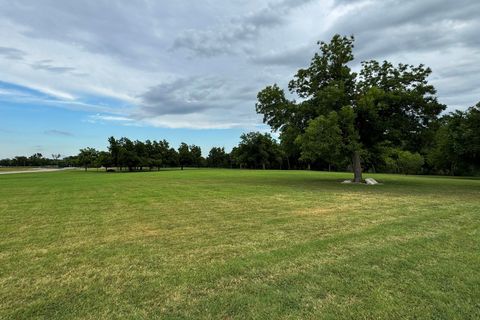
<point x="257" y="150"/>
<point x="456" y="147"/>
<point x="196" y="155"/>
<point x="322" y="139"/>
<point x="218" y="158"/>
<point x="340" y="113"/>
<point x="114" y="148"/>
<point x="103" y="159"/>
<point x="162" y="154"/>
<point x="128" y="156"/>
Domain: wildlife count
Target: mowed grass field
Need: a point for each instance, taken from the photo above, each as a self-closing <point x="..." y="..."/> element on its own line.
<point x="238" y="244"/>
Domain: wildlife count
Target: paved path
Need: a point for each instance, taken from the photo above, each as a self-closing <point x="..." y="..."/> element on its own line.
<point x="35" y="170"/>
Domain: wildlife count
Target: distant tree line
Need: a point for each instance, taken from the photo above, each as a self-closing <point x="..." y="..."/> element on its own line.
<point x="255" y="151"/>
<point x="36" y="160"/>
<point x="453" y="148"/>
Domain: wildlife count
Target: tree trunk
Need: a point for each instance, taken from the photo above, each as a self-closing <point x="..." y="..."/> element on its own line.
<point x="288" y="163"/>
<point x="452" y="169"/>
<point x="85" y="168"/>
<point x="357" y="167"/>
<point x="181" y="167"/>
<point x="263" y="166"/>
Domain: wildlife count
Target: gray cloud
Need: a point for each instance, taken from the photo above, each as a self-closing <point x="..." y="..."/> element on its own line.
<point x="47" y="66"/>
<point x="98" y="26"/>
<point x="392" y="27"/>
<point x="383" y="28"/>
<point x="228" y="37"/>
<point x="293" y="58"/>
<point x="54" y="132"/>
<point x="439" y="33"/>
<point x="194" y="95"/>
<point x="12" y="53"/>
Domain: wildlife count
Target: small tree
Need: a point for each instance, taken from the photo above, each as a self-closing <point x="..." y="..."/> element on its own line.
<point x="87" y="157"/>
<point x="128" y="155"/>
<point x="36" y="159"/>
<point x="184" y="156"/>
<point x="322" y="140"/>
<point x="56" y="157"/>
<point x="217" y="158"/>
<point x="196" y="155"/>
<point x="409" y="163"/>
<point x="104" y="159"/>
<point x="257" y="150"/>
<point x="114" y="148"/>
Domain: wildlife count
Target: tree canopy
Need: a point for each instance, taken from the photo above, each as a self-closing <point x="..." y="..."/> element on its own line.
<point x="456" y="148"/>
<point x="257" y="150"/>
<point x="341" y="114"/>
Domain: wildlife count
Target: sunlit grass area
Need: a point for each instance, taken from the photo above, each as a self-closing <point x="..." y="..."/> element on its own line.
<point x="238" y="244"/>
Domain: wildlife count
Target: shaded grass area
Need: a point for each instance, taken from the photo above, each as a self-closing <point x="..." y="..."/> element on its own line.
<point x="238" y="244"/>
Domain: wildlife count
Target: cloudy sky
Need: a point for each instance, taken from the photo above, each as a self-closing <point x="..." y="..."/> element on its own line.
<point x="73" y="73"/>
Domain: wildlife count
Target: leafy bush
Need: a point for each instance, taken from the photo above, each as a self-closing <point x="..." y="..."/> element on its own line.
<point x="401" y="161"/>
<point x="409" y="163"/>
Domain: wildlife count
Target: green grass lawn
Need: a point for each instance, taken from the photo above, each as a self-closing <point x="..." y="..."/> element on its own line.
<point x="236" y="244"/>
